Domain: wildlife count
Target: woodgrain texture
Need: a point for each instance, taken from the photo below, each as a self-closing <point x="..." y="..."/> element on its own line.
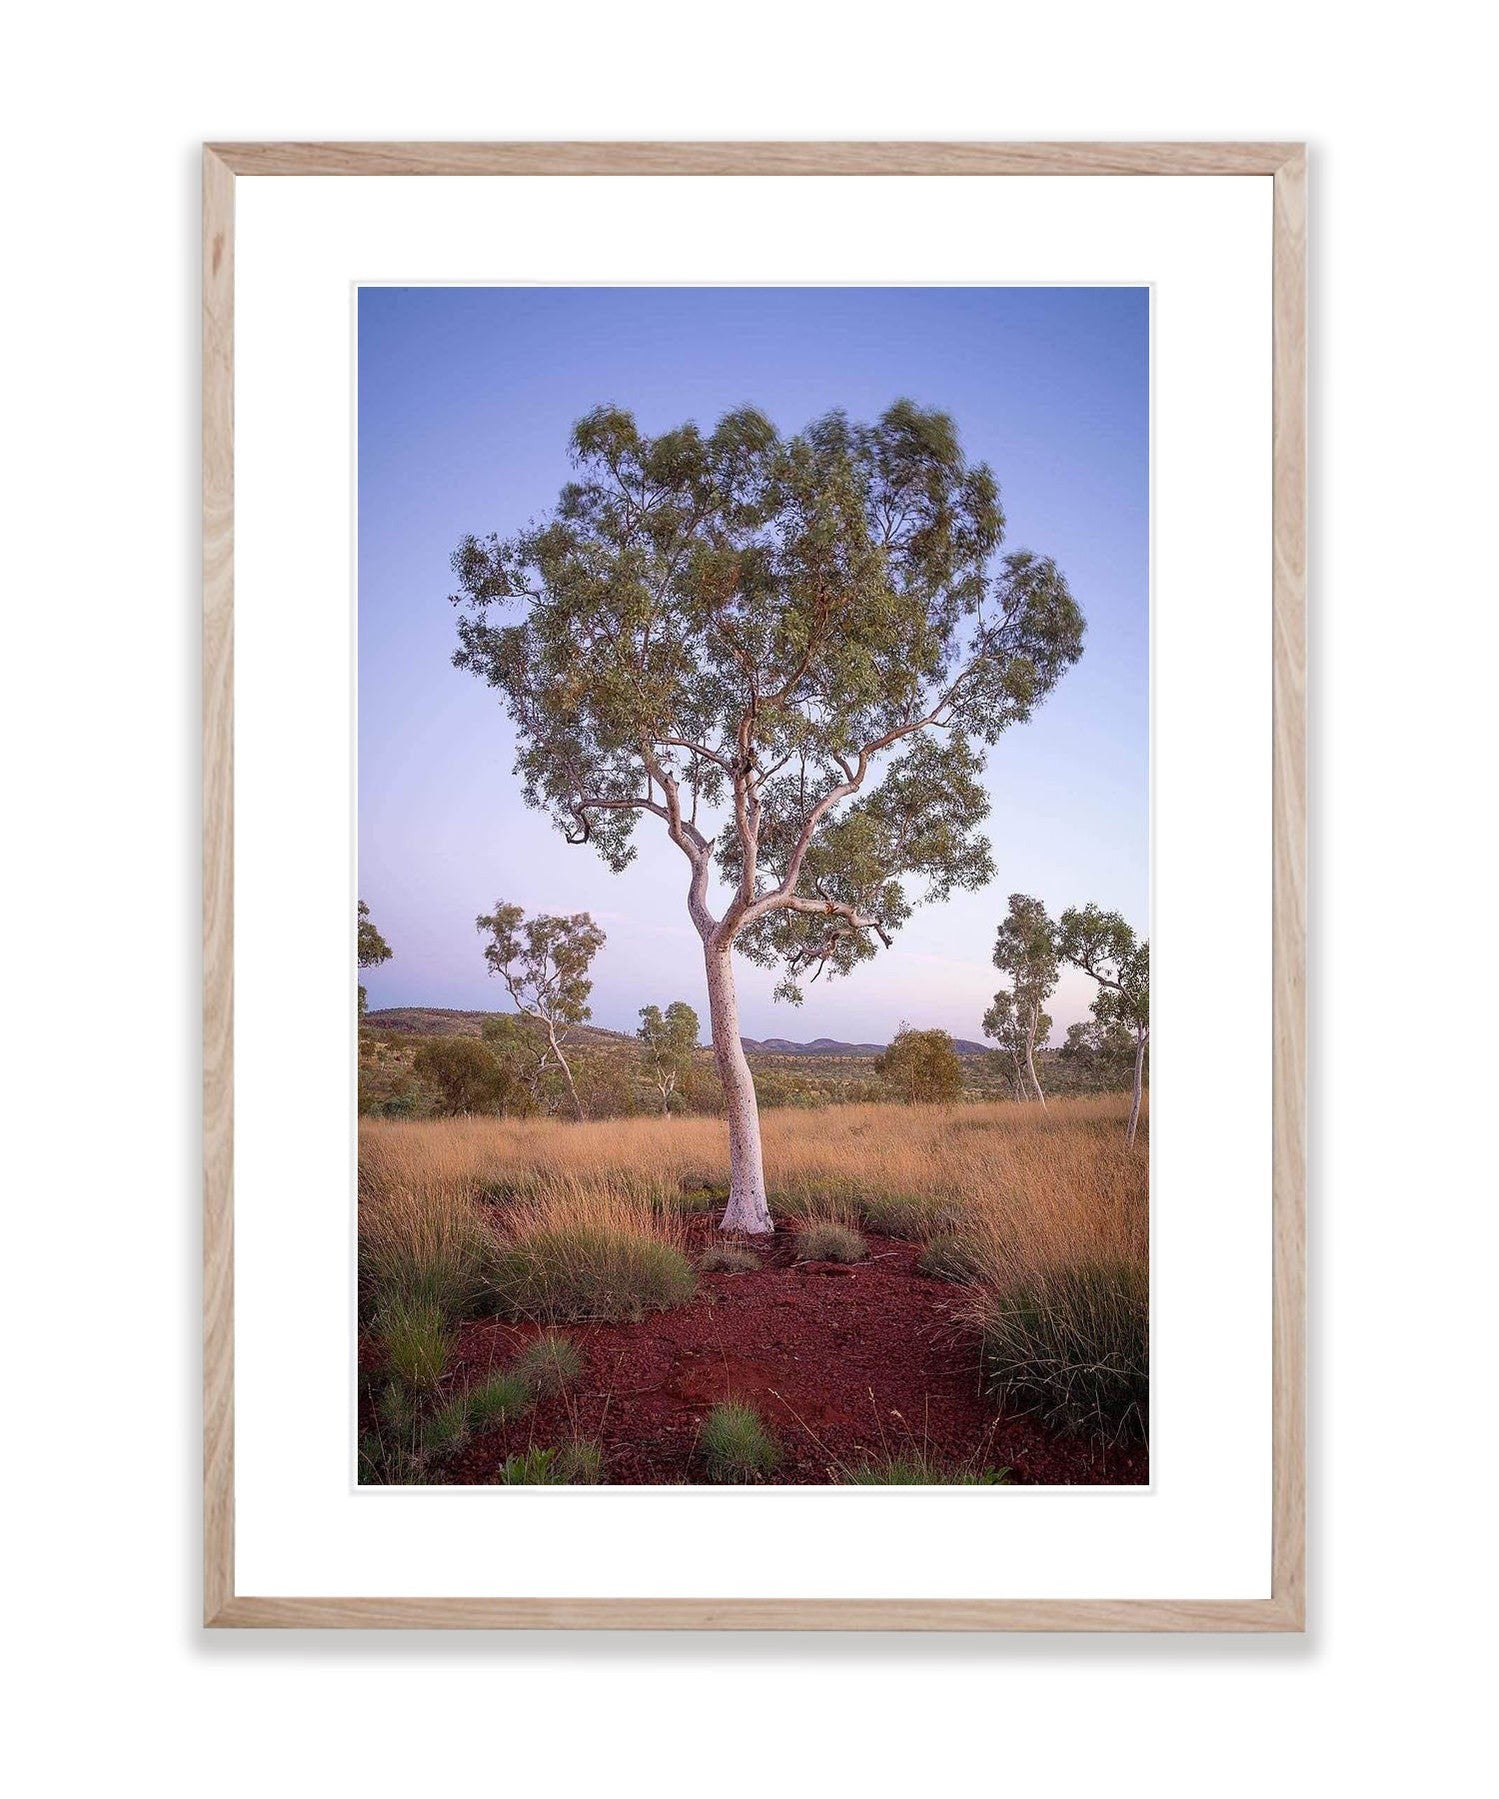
<point x="1285" y="1609"/>
<point x="754" y="159"/>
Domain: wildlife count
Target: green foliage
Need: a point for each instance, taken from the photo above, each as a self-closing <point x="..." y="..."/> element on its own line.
<point x="543" y="961"/>
<point x="917" y="1469"/>
<point x="948" y="1257"/>
<point x="730" y="630"/>
<point x="669" y="1038"/>
<point x="462" y="1073"/>
<point x="415" y="1338"/>
<point x="574" y="1465"/>
<point x="590" y="1271"/>
<point x="729" y="1258"/>
<point x="736" y="1446"/>
<point x="823" y="1240"/>
<point x="371" y="949"/>
<point x="922" y="1067"/>
<point x="1073" y="1346"/>
<point x="548" y="1363"/>
<point x="1104" y="946"/>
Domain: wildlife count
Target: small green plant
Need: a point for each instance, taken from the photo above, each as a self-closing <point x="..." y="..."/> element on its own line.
<point x="917" y="1469"/>
<point x="534" y="1468"/>
<point x="729" y="1258"/>
<point x="948" y="1257"/>
<point x="415" y="1337"/>
<point x="824" y="1241"/>
<point x="447" y="1428"/>
<point x="548" y="1363"/>
<point x="496" y="1400"/>
<point x="581" y="1464"/>
<point x="735" y="1445"/>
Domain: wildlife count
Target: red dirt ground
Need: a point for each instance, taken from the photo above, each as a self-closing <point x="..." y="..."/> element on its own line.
<point x="844" y="1364"/>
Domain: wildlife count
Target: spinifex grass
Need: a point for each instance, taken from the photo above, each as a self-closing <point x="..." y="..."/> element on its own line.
<point x="578" y="1253"/>
<point x="736" y="1446"/>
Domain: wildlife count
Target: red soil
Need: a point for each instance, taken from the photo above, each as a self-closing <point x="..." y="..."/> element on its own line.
<point x="844" y="1364"/>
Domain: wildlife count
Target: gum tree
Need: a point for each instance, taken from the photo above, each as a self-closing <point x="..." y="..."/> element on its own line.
<point x="1015" y="1036"/>
<point x="788" y="650"/>
<point x="1104" y="946"/>
<point x="544" y="964"/>
<point x="371" y="950"/>
<point x="1025" y="948"/>
<point x="669" y="1037"/>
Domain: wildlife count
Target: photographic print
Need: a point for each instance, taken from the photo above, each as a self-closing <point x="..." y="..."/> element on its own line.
<point x="753" y="892"/>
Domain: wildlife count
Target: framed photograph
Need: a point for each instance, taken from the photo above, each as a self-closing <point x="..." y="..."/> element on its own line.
<point x="728" y="668"/>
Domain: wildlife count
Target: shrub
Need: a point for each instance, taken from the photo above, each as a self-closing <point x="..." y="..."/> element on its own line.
<point x="462" y="1072"/>
<point x="949" y="1257"/>
<point x="915" y="1469"/>
<point x="735" y="1445"/>
<point x="1072" y="1345"/>
<point x="448" y="1427"/>
<point x="922" y="1066"/>
<point x="548" y="1363"/>
<point x="589" y="1256"/>
<point x="728" y="1258"/>
<point x="414" y="1336"/>
<point x="824" y="1241"/>
<point x="497" y="1399"/>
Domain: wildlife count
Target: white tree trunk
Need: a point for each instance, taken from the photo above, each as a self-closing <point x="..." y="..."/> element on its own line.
<point x="1030" y="1061"/>
<point x="567" y="1072"/>
<point x="1134" y="1110"/>
<point x="747" y="1210"/>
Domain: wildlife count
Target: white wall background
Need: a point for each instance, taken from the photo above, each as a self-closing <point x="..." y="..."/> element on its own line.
<point x="104" y="108"/>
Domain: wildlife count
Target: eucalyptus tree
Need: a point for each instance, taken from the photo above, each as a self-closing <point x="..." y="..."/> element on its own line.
<point x="1025" y="948"/>
<point x="669" y="1037"/>
<point x="544" y="963"/>
<point x="1104" y="946"/>
<point x="370" y="948"/>
<point x="737" y="633"/>
<point x="1015" y="1035"/>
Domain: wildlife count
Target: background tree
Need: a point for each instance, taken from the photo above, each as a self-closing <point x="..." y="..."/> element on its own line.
<point x="731" y="633"/>
<point x="669" y="1037"/>
<point x="1025" y="948"/>
<point x="1104" y="1051"/>
<point x="520" y="1050"/>
<point x="462" y="1073"/>
<point x="1016" y="1036"/>
<point x="1104" y="946"/>
<point x="371" y="948"/>
<point x="922" y="1066"/>
<point x="544" y="963"/>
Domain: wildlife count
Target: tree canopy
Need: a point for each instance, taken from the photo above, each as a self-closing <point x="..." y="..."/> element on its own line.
<point x="669" y="1037"/>
<point x="728" y="629"/>
<point x="371" y="949"/>
<point x="544" y="963"/>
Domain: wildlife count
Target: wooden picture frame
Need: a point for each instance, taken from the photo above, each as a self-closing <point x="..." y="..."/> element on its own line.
<point x="1284" y="1609"/>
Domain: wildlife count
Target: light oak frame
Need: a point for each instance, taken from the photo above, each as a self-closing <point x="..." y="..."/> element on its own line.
<point x="1285" y="1609"/>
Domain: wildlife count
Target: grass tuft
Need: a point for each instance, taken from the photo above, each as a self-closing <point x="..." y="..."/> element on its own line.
<point x="736" y="1446"/>
<point x="1072" y="1345"/>
<point x="581" y="1254"/>
<point x="949" y="1257"/>
<point x="415" y="1338"/>
<point x="824" y="1241"/>
<point x="581" y="1464"/>
<point x="917" y="1469"/>
<point x="496" y="1400"/>
<point x="548" y="1363"/>
<point x="729" y="1258"/>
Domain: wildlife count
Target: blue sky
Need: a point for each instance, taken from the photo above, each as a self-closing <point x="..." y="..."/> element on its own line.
<point x="466" y="398"/>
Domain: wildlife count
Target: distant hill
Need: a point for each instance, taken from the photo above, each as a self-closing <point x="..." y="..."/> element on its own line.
<point x="441" y="1021"/>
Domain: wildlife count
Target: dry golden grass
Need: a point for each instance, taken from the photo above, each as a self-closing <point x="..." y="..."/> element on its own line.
<point x="1049" y="1208"/>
